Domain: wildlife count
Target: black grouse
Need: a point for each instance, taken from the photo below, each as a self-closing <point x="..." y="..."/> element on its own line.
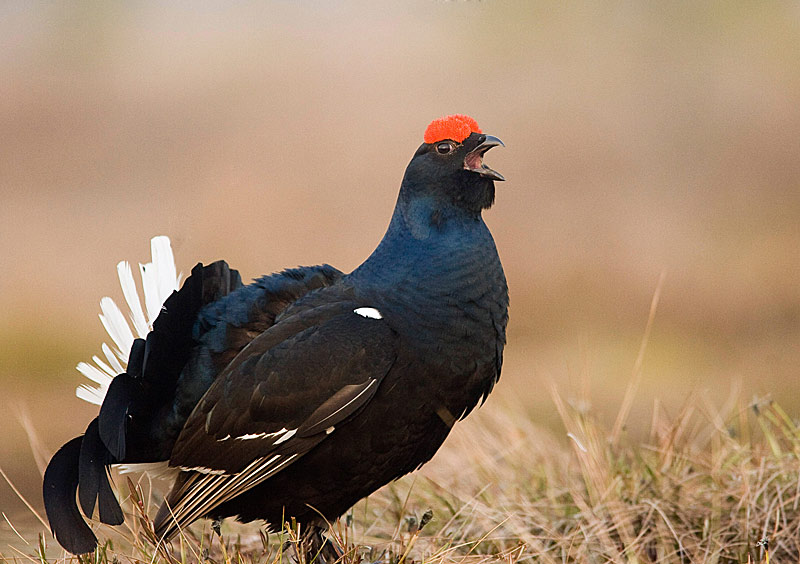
<point x="307" y="390"/>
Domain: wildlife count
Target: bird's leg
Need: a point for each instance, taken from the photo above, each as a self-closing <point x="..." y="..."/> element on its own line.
<point x="317" y="548"/>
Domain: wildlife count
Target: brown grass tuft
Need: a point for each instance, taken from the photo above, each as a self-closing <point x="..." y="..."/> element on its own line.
<point x="707" y="485"/>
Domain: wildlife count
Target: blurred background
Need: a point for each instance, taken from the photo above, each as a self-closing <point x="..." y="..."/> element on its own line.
<point x="641" y="139"/>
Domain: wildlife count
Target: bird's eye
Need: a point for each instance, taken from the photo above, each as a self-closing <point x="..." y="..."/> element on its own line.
<point x="444" y="148"/>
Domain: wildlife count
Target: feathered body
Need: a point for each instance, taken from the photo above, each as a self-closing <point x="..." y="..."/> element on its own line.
<point x="307" y="390"/>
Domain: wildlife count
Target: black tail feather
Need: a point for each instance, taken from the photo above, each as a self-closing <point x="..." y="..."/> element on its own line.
<point x="113" y="418"/>
<point x="136" y="358"/>
<point x="60" y="486"/>
<point x="171" y="340"/>
<point x="88" y="474"/>
<point x="93" y="479"/>
<point x="134" y="399"/>
<point x="122" y="432"/>
<point x="107" y="505"/>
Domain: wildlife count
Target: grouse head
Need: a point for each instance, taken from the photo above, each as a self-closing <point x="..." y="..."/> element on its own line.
<point x="448" y="172"/>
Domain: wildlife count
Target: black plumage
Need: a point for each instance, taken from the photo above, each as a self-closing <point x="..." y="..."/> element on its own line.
<point x="60" y="485"/>
<point x="307" y="390"/>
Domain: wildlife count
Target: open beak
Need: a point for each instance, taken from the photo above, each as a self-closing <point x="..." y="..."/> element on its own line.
<point x="474" y="159"/>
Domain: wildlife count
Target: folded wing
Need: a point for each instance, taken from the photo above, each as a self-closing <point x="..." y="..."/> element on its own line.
<point x="281" y="397"/>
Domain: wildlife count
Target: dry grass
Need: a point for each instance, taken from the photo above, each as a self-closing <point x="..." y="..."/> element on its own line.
<point x="706" y="485"/>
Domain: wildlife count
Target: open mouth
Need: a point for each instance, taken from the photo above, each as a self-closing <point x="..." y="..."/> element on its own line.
<point x="474" y="159"/>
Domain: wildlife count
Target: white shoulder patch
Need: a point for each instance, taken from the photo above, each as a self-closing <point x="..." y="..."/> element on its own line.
<point x="369" y="312"/>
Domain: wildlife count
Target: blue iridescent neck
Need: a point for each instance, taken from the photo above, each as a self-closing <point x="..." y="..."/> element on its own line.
<point x="425" y="239"/>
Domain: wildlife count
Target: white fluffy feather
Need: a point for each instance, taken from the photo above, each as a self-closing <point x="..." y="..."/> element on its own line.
<point x="159" y="280"/>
